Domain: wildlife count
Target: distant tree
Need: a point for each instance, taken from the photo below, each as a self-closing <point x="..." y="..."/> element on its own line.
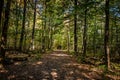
<point x="23" y="26"/>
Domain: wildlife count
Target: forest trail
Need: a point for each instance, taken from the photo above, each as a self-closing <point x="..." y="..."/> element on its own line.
<point x="56" y="65"/>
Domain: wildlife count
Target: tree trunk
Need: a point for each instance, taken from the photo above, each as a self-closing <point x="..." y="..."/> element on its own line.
<point x="51" y="37"/>
<point x="85" y="34"/>
<point x="1" y="9"/>
<point x="95" y="31"/>
<point x="68" y="39"/>
<point x="34" y="20"/>
<point x="117" y="38"/>
<point x="16" y="26"/>
<point x="75" y="28"/>
<point x="23" y="26"/>
<point x="44" y="31"/>
<point x="5" y="29"/>
<point x="43" y="39"/>
<point x="48" y="45"/>
<point x="106" y="36"/>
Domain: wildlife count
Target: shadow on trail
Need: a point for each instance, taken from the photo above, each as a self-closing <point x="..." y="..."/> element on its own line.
<point x="55" y="66"/>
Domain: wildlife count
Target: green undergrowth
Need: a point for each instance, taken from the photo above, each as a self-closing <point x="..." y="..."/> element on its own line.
<point x="35" y="57"/>
<point x="98" y="63"/>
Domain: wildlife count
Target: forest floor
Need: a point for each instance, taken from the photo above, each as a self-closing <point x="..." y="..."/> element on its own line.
<point x="56" y="65"/>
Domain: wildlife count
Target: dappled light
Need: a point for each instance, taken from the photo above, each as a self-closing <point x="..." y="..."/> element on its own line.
<point x="37" y="63"/>
<point x="57" y="65"/>
<point x="1" y="66"/>
<point x="17" y="63"/>
<point x="3" y="71"/>
<point x="11" y="77"/>
<point x="54" y="74"/>
<point x="60" y="55"/>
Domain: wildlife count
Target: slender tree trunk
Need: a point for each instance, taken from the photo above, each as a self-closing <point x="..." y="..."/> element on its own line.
<point x="68" y="39"/>
<point x="106" y="37"/>
<point x="43" y="38"/>
<point x="94" y="42"/>
<point x="85" y="35"/>
<point x="95" y="31"/>
<point x="16" y="27"/>
<point x="75" y="28"/>
<point x="34" y="21"/>
<point x="49" y="34"/>
<point x="117" y="48"/>
<point x="45" y="27"/>
<point x="25" y="40"/>
<point x="1" y="9"/>
<point x="51" y="37"/>
<point x="44" y="32"/>
<point x="23" y="26"/>
<point x="5" y="29"/>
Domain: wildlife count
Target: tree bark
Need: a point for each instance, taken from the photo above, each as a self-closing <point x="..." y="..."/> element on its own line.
<point x="44" y="31"/>
<point x="1" y="9"/>
<point x="16" y="26"/>
<point x="75" y="28"/>
<point x="34" y="21"/>
<point x="85" y="33"/>
<point x="106" y="36"/>
<point x="68" y="39"/>
<point x="95" y="31"/>
<point x="23" y="26"/>
<point x="5" y="29"/>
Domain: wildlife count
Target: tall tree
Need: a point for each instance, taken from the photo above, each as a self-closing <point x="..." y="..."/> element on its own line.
<point x="23" y="26"/>
<point x="44" y="27"/>
<point x="16" y="24"/>
<point x="68" y="39"/>
<point x="75" y="27"/>
<point x="95" y="31"/>
<point x="5" y="29"/>
<point x="85" y="31"/>
<point x="106" y="36"/>
<point x="34" y="20"/>
<point x="1" y="9"/>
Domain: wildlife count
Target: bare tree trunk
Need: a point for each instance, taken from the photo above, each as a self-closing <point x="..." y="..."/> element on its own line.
<point x="5" y="30"/>
<point x="1" y="9"/>
<point x="48" y="40"/>
<point x="106" y="36"/>
<point x="34" y="21"/>
<point x="75" y="28"/>
<point x="23" y="26"/>
<point x="68" y="39"/>
<point x="44" y="31"/>
<point x="95" y="31"/>
<point x="51" y="37"/>
<point x="16" y="27"/>
<point x="85" y="35"/>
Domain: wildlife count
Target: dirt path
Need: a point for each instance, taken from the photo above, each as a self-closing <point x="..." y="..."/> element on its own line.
<point x="54" y="66"/>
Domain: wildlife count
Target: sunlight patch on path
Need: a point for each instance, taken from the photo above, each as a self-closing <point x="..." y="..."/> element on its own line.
<point x="37" y="63"/>
<point x="17" y="63"/>
<point x="59" y="55"/>
<point x="54" y="74"/>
